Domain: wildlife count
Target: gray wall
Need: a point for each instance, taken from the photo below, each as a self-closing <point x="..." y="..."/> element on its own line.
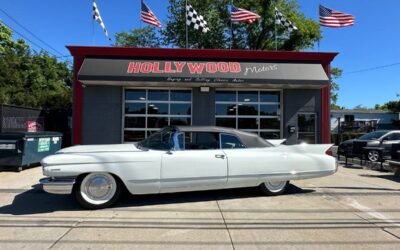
<point x="296" y="101"/>
<point x="102" y="114"/>
<point x="203" y="107"/>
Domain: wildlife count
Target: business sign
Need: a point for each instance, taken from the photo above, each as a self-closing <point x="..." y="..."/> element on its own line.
<point x="99" y="69"/>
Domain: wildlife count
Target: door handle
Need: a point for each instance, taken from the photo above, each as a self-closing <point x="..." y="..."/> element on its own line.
<point x="220" y="156"/>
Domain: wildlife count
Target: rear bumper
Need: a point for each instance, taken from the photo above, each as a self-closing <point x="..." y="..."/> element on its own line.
<point x="58" y="185"/>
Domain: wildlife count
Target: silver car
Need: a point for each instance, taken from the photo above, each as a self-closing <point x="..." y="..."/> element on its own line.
<point x="381" y="139"/>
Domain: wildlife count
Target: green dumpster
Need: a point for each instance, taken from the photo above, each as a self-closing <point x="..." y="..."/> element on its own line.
<point x="21" y="149"/>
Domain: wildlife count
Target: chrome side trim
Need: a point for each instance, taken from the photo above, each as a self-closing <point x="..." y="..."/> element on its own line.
<point x="277" y="175"/>
<point x="58" y="185"/>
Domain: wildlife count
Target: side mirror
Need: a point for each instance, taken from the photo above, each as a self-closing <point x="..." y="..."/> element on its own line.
<point x="384" y="139"/>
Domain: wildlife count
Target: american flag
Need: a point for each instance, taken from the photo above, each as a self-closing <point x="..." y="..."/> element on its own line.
<point x="242" y="15"/>
<point x="333" y="18"/>
<point x="147" y="16"/>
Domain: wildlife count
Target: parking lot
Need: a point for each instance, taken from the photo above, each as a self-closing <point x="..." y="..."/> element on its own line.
<point x="354" y="209"/>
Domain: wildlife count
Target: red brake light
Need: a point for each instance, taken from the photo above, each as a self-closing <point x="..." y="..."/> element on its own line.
<point x="329" y="152"/>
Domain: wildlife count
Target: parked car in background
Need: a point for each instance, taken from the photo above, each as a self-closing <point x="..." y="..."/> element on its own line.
<point x="182" y="158"/>
<point x="382" y="140"/>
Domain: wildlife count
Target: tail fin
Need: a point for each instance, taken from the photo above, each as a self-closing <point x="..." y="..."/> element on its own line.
<point x="311" y="148"/>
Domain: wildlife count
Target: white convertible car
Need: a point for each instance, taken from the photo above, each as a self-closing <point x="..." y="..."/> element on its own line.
<point x="181" y="158"/>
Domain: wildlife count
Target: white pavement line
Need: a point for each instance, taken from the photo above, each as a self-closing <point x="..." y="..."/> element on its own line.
<point x="62" y="236"/>
<point x="226" y="226"/>
<point x="75" y="225"/>
<point x="370" y="211"/>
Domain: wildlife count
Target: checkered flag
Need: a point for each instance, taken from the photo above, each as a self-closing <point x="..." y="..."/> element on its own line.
<point x="195" y="20"/>
<point x="281" y="19"/>
<point x="97" y="18"/>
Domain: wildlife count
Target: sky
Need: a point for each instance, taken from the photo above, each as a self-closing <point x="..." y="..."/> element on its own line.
<point x="369" y="51"/>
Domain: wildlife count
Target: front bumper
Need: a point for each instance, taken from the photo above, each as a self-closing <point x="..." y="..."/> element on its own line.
<point x="58" y="185"/>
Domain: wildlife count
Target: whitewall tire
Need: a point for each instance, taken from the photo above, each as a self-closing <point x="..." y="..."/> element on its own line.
<point x="274" y="187"/>
<point x="97" y="190"/>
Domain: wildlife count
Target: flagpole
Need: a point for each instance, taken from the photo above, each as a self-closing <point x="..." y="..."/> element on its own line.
<point x="276" y="36"/>
<point x="92" y="24"/>
<point x="187" y="37"/>
<point x="231" y="45"/>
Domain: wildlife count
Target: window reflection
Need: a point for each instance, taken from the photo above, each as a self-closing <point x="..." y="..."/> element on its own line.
<point x="135" y="95"/>
<point x="248" y="96"/>
<point x="225" y="109"/>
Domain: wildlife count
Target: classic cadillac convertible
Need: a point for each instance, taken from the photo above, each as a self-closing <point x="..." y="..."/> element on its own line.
<point x="181" y="158"/>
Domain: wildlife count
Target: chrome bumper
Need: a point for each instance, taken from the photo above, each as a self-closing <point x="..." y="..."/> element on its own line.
<point x="58" y="185"/>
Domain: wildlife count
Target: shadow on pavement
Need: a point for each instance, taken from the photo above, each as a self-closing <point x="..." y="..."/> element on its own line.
<point x="360" y="188"/>
<point x="352" y="166"/>
<point x="389" y="177"/>
<point x="36" y="201"/>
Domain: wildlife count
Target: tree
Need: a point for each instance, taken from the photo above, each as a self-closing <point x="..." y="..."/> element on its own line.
<point x="361" y="107"/>
<point x="393" y="106"/>
<point x="31" y="79"/>
<point x="256" y="36"/>
<point x="335" y="74"/>
<point x="142" y="37"/>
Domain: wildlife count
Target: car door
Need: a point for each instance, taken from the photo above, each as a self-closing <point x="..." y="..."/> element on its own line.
<point x="388" y="140"/>
<point x="193" y="169"/>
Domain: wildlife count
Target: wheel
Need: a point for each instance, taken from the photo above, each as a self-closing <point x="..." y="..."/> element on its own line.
<point x="274" y="187"/>
<point x="97" y="190"/>
<point x="373" y="155"/>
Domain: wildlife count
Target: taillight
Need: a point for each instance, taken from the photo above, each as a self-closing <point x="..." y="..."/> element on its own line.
<point x="329" y="151"/>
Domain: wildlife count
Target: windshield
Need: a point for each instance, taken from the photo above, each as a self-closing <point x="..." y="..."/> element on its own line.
<point x="160" y="140"/>
<point x="373" y="135"/>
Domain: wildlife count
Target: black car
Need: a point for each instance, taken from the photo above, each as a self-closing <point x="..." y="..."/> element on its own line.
<point x="381" y="139"/>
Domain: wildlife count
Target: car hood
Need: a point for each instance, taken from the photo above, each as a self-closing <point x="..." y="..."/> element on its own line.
<point x="347" y="142"/>
<point x="99" y="148"/>
<point x="93" y="154"/>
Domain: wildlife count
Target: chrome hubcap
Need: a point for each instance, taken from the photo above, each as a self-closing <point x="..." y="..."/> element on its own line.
<point x="275" y="186"/>
<point x="98" y="188"/>
<point x="373" y="156"/>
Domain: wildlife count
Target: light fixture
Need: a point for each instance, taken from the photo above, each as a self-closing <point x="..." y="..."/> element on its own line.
<point x="142" y="98"/>
<point x="204" y="89"/>
<point x="247" y="100"/>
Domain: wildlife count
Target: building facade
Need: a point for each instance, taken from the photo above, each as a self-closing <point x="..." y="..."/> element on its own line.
<point x="124" y="94"/>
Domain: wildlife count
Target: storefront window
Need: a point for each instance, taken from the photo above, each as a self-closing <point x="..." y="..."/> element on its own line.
<point x="135" y="95"/>
<point x="147" y="111"/>
<point x="225" y="96"/>
<point x="253" y="111"/>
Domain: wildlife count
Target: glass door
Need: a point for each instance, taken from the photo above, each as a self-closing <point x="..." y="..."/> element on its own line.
<point x="306" y="123"/>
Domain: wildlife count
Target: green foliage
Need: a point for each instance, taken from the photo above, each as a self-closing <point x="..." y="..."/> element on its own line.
<point x="393" y="106"/>
<point x="31" y="79"/>
<point x="335" y="74"/>
<point x="361" y="107"/>
<point x="142" y="37"/>
<point x="256" y="36"/>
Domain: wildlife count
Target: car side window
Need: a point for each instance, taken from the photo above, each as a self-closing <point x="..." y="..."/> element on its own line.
<point x="202" y="141"/>
<point x="230" y="142"/>
<point x="393" y="137"/>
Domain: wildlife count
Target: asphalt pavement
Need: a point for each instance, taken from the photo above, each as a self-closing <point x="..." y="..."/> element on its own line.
<point x="354" y="209"/>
